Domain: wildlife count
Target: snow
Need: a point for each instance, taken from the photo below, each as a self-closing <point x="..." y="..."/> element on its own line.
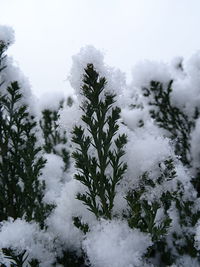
<point x="89" y="54"/>
<point x="7" y="34"/>
<point x="60" y="221"/>
<point x="13" y="73"/>
<point x="145" y="149"/>
<point x="132" y="117"/>
<point x="69" y="117"/>
<point x="146" y="71"/>
<point x="186" y="261"/>
<point x="114" y="244"/>
<point x="197" y="236"/>
<point x="186" y="92"/>
<point x="51" y="100"/>
<point x="185" y="74"/>
<point x="110" y="243"/>
<point x="52" y="174"/>
<point x="20" y="235"/>
<point x="195" y="139"/>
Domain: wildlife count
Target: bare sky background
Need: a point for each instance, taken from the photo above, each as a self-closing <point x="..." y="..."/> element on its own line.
<point x="49" y="32"/>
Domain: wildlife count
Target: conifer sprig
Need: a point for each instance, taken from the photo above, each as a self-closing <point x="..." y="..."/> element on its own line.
<point x="170" y="117"/>
<point x="53" y="136"/>
<point x="102" y="171"/>
<point x="2" y="60"/>
<point x="21" y="191"/>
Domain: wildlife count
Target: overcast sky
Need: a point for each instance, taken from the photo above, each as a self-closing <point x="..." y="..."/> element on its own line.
<point x="49" y="32"/>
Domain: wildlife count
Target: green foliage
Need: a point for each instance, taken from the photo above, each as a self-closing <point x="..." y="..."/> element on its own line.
<point x="21" y="163"/>
<point x="170" y="117"/>
<point x="100" y="168"/>
<point x="177" y="124"/>
<point x="142" y="214"/>
<point x="2" y="58"/>
<point x="53" y="136"/>
<point x="71" y="259"/>
<point x="81" y="225"/>
<point x="100" y="119"/>
<point x="19" y="260"/>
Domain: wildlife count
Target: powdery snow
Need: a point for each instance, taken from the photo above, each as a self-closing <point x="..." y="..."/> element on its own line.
<point x="7" y="34"/>
<point x="114" y="244"/>
<point x="147" y="71"/>
<point x="12" y="72"/>
<point x="109" y="243"/>
<point x="20" y="235"/>
<point x="53" y="176"/>
<point x="89" y="54"/>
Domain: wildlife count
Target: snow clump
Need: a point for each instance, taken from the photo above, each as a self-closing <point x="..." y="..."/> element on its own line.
<point x="114" y="244"/>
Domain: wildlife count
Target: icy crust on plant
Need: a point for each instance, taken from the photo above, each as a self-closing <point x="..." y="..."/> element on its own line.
<point x="115" y="244"/>
<point x="20" y="235"/>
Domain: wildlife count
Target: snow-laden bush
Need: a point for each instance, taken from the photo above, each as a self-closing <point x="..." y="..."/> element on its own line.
<point x="109" y="177"/>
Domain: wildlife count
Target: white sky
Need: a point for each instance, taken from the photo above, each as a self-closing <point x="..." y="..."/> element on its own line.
<point x="49" y="32"/>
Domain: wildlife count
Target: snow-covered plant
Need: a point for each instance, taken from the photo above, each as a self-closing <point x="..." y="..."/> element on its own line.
<point x="21" y="161"/>
<point x="99" y="151"/>
<point x="130" y="195"/>
<point x="98" y="154"/>
<point x="2" y="58"/>
<point x="179" y="125"/>
<point x="54" y="138"/>
<point x="165" y="202"/>
<point x="163" y="207"/>
<point x="170" y="117"/>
